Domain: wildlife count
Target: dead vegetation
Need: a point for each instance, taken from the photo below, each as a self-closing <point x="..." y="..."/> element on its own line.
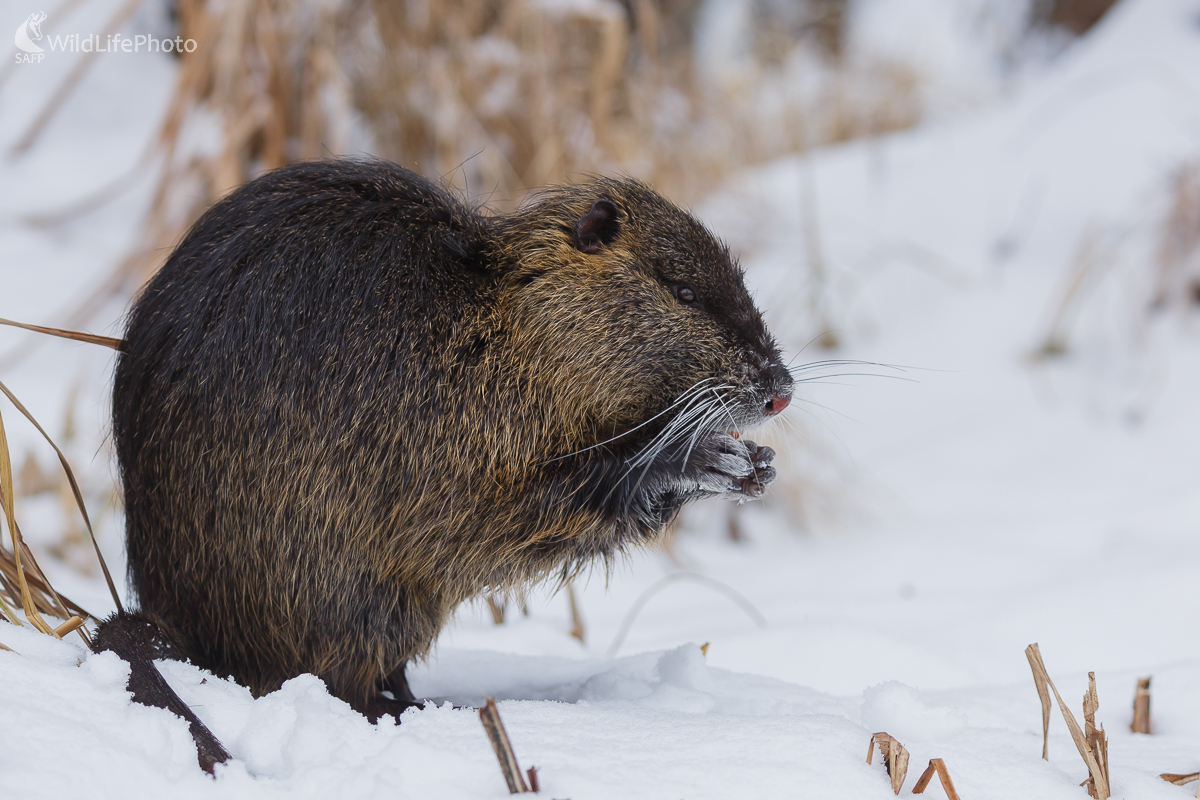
<point x="936" y="767"/>
<point x="895" y="758"/>
<point x="1141" y="708"/>
<point x="23" y="585"/>
<point x="498" y="97"/>
<point x="1161" y="260"/>
<point x="489" y="715"/>
<point x="1091" y="742"/>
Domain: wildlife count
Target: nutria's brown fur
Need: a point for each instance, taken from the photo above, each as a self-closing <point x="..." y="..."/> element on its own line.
<point x="348" y="402"/>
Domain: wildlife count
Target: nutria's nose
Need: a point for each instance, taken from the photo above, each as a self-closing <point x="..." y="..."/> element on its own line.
<point x="775" y="405"/>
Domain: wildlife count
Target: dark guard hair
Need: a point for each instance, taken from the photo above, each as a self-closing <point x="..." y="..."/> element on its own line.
<point x="348" y="403"/>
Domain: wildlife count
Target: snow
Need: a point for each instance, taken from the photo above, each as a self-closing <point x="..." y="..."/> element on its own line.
<point x="972" y="503"/>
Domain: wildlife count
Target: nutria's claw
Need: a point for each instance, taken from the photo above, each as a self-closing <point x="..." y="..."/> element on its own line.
<point x="724" y="465"/>
<point x="762" y="458"/>
<point x="754" y="485"/>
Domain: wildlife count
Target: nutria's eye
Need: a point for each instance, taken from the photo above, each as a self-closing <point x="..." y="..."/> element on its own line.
<point x="686" y="295"/>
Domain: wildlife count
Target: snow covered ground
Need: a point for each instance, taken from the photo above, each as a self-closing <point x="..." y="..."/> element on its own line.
<point x="983" y="501"/>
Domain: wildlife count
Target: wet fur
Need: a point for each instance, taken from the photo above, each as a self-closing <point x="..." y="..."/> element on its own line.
<point x="349" y="402"/>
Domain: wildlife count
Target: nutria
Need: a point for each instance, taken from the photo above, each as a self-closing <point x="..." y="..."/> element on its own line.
<point x="349" y="401"/>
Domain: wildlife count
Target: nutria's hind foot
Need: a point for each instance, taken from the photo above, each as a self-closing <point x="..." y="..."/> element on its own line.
<point x="139" y="641"/>
<point x="393" y="698"/>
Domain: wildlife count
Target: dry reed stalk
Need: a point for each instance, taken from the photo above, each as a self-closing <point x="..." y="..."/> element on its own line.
<point x="895" y="758"/>
<point x="489" y="715"/>
<point x="1141" y="707"/>
<point x="577" y="629"/>
<point x="1092" y="744"/>
<point x="497" y="609"/>
<point x="78" y="336"/>
<point x="936" y="765"/>
<point x="1179" y="241"/>
<point x="1097" y="742"/>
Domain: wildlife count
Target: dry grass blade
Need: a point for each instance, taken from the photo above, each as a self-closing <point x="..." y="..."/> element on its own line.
<point x="489" y="715"/>
<point x="7" y="498"/>
<point x="1141" y="707"/>
<point x="666" y="581"/>
<point x="1098" y="775"/>
<point x="895" y="758"/>
<point x="1039" y="680"/>
<point x="62" y="460"/>
<point x="5" y="647"/>
<point x="78" y="336"/>
<point x="936" y="765"/>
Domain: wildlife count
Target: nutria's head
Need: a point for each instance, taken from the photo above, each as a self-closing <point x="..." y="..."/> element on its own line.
<point x="625" y="309"/>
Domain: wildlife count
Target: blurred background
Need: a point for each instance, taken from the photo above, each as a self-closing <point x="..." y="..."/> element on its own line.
<point x="978" y="221"/>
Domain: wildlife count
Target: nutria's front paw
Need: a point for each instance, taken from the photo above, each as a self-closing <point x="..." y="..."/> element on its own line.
<point x="722" y="464"/>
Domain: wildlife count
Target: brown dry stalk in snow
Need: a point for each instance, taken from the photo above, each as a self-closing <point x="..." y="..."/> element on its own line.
<point x="1093" y="744"/>
<point x="78" y="336"/>
<point x="938" y="766"/>
<point x="895" y="758"/>
<point x="1097" y="742"/>
<point x="489" y="715"/>
<point x="576" y="618"/>
<point x="1182" y="779"/>
<point x="496" y="606"/>
<point x="1141" y="707"/>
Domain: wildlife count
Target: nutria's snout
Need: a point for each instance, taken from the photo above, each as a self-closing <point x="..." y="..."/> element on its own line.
<point x="777" y="404"/>
<point x="778" y="385"/>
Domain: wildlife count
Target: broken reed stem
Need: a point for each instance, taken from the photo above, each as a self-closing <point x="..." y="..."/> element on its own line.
<point x="938" y="766"/>
<point x="895" y="758"/>
<point x="489" y="715"/>
<point x="1180" y="779"/>
<point x="1098" y="779"/>
<point x="1096" y="740"/>
<point x="497" y="609"/>
<point x="68" y="626"/>
<point x="1141" y="707"/>
<point x="577" y="630"/>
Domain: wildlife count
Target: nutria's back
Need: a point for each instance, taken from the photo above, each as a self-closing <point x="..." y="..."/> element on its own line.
<point x="349" y="402"/>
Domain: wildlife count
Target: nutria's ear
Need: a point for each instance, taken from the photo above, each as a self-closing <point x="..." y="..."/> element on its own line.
<point x="597" y="227"/>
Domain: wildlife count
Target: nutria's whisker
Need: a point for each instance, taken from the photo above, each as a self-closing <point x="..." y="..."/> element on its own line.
<point x="694" y="387"/>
